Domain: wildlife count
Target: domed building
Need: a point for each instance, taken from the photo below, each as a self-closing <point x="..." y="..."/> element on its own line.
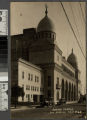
<point x="46" y="24"/>
<point x="40" y="68"/>
<point x="72" y="60"/>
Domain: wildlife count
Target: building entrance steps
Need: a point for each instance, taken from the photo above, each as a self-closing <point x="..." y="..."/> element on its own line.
<point x="71" y="102"/>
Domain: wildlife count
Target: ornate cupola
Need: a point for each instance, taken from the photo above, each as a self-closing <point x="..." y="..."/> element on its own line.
<point x="45" y="28"/>
<point x="72" y="60"/>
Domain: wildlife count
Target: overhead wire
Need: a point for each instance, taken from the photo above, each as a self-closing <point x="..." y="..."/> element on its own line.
<point x="81" y="17"/>
<point x="72" y="29"/>
<point x="82" y="13"/>
<point x="75" y="23"/>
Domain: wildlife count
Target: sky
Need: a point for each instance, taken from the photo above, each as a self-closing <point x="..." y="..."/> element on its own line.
<point x="28" y="15"/>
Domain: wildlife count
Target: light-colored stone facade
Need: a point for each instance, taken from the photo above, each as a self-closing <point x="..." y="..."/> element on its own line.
<point x="62" y="84"/>
<point x="30" y="77"/>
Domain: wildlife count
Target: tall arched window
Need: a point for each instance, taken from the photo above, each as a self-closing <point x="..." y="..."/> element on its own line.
<point x="62" y="88"/>
<point x="57" y="95"/>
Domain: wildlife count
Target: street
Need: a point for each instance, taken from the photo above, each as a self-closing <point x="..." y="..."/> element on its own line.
<point x="63" y="111"/>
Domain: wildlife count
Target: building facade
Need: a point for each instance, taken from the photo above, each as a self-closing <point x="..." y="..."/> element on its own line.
<point x="36" y="53"/>
<point x="31" y="78"/>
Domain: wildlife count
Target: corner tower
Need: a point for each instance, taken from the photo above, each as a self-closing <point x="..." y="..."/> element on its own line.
<point x="46" y="29"/>
<point x="41" y="51"/>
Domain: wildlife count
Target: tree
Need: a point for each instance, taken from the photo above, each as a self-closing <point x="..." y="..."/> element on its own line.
<point x="17" y="91"/>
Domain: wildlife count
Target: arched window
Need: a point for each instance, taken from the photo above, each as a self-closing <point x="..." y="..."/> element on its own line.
<point x="57" y="95"/>
<point x="62" y="88"/>
<point x="66" y="91"/>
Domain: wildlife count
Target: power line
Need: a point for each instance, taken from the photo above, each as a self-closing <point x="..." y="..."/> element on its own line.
<point x="75" y="22"/>
<point x="82" y="19"/>
<point x="82" y="12"/>
<point x="72" y="29"/>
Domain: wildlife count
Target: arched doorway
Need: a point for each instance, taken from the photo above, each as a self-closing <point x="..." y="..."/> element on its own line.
<point x="66" y="91"/>
<point x="63" y="89"/>
<point x="57" y="95"/>
<point x="72" y="92"/>
<point x="69" y="91"/>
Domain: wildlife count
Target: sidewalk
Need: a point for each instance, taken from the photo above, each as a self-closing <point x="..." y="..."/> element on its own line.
<point x="18" y="108"/>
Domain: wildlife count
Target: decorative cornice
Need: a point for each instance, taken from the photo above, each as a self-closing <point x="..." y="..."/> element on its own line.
<point x="67" y="75"/>
<point x="59" y="68"/>
<point x="58" y="49"/>
<point x="29" y="64"/>
<point x="64" y="60"/>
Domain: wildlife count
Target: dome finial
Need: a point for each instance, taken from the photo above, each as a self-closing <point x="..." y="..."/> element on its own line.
<point x="72" y="50"/>
<point x="46" y="9"/>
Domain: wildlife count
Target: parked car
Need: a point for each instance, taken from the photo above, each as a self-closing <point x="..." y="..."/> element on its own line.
<point x="61" y="101"/>
<point x="46" y="103"/>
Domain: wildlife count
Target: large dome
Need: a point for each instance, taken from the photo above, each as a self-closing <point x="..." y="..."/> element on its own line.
<point x="45" y="24"/>
<point x="72" y="60"/>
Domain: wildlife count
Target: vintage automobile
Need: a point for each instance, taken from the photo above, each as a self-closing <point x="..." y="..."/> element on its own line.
<point x="61" y="101"/>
